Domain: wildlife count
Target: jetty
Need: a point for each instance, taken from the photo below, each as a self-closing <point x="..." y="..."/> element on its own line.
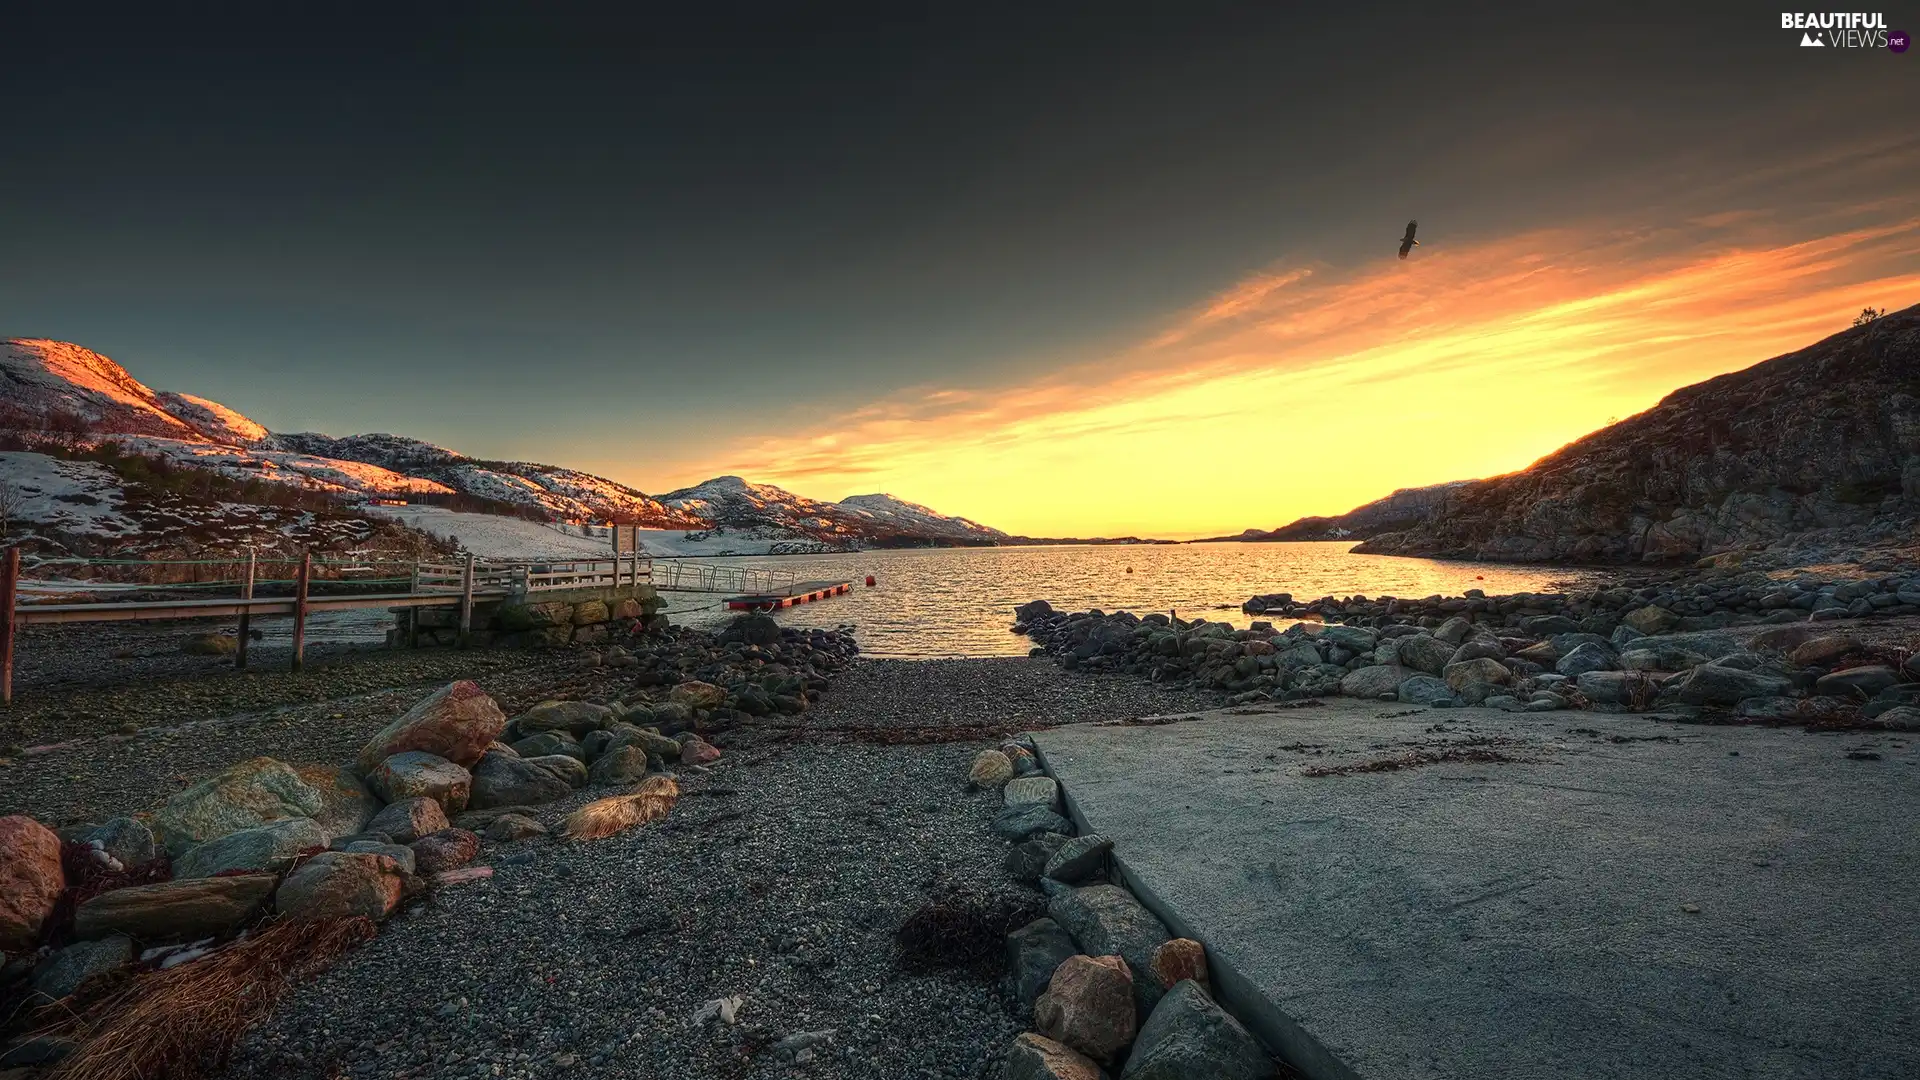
<point x="800" y="592"/>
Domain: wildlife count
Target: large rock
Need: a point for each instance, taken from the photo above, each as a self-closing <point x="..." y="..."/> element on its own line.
<point x="1375" y="681"/>
<point x="1033" y="953"/>
<point x="1711" y="684"/>
<point x="445" y="850"/>
<point x="1036" y="1057"/>
<point x="1424" y="652"/>
<point x="1189" y="1036"/>
<point x="417" y="774"/>
<point x="1078" y="859"/>
<point x="246" y="795"/>
<point x="190" y="909"/>
<point x="1356" y="639"/>
<point x="578" y="717"/>
<point x="991" y="769"/>
<point x="127" y="839"/>
<point x="590" y="612"/>
<point x="269" y="847"/>
<point x="409" y="820"/>
<point x="1424" y="690"/>
<point x="1089" y="1006"/>
<point x="1588" y="656"/>
<point x="695" y="750"/>
<point x="1857" y="682"/>
<point x="1027" y="860"/>
<point x="1032" y="790"/>
<point x="1661" y="658"/>
<point x="1482" y="672"/>
<point x="1017" y="823"/>
<point x="617" y="767"/>
<point x="337" y="884"/>
<point x="1615" y="687"/>
<point x="1824" y="650"/>
<point x="1181" y="958"/>
<point x="31" y="880"/>
<point x="649" y="741"/>
<point x="346" y="804"/>
<point x="66" y="971"/>
<point x="455" y="722"/>
<point x="697" y="695"/>
<point x="1107" y="920"/>
<point x="546" y="743"/>
<point x="1651" y="619"/>
<point x="506" y="780"/>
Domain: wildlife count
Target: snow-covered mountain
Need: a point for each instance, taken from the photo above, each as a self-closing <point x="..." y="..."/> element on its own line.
<point x="64" y="394"/>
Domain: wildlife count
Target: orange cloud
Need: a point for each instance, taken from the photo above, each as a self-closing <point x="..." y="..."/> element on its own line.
<point x="1304" y="390"/>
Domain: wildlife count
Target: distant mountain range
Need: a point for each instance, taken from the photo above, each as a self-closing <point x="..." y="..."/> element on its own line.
<point x="58" y="390"/>
<point x="1399" y="510"/>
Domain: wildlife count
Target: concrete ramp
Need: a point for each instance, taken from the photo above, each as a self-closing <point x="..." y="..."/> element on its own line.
<point x="1398" y="894"/>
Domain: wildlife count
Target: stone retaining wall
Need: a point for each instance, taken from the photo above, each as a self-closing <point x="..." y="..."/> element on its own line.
<point x="547" y="620"/>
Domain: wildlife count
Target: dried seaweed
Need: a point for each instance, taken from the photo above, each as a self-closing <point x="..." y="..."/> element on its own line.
<point x="960" y="929"/>
<point x="650" y="801"/>
<point x="1412" y="759"/>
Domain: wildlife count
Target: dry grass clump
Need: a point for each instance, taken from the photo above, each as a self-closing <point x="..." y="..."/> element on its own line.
<point x="604" y="817"/>
<point x="178" y="1022"/>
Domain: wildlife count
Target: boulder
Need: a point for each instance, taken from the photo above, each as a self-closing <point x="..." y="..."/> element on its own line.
<point x="345" y="803"/>
<point x="1424" y="652"/>
<point x="1900" y="718"/>
<point x="1189" y="1036"/>
<point x="1031" y="610"/>
<point x="190" y="909"/>
<point x="1824" y="650"/>
<point x="991" y="769"/>
<point x="546" y="743"/>
<point x="455" y="722"/>
<point x="570" y="769"/>
<point x="619" y="767"/>
<point x="127" y="839"/>
<point x="417" y="774"/>
<point x="1078" y="859"/>
<point x="590" y="612"/>
<point x="1088" y="1005"/>
<point x="1107" y="920"/>
<point x="1663" y="658"/>
<point x="409" y="820"/>
<point x="1357" y="639"/>
<point x="579" y="717"/>
<point x="1712" y="684"/>
<point x="31" y="880"/>
<point x="1857" y="682"/>
<point x="1017" y="823"/>
<point x="1651" y="619"/>
<point x="1614" y="687"/>
<point x="66" y="971"/>
<point x="1027" y="860"/>
<point x="697" y="695"/>
<point x="1452" y="632"/>
<point x="507" y="780"/>
<point x="1585" y="657"/>
<point x="1375" y="681"/>
<point x="399" y="853"/>
<point x="695" y="750"/>
<point x="1181" y="958"/>
<point x="1034" y="952"/>
<point x="651" y="742"/>
<point x="1477" y="649"/>
<point x="444" y="850"/>
<point x="251" y="793"/>
<point x="1036" y="1057"/>
<point x="510" y="827"/>
<point x="338" y="884"/>
<point x="1032" y="791"/>
<point x="1480" y="672"/>
<point x="269" y="847"/>
<point x="1424" y="690"/>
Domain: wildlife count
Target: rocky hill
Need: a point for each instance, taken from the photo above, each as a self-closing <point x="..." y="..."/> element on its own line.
<point x="730" y="502"/>
<point x="1821" y="440"/>
<point x="1400" y="510"/>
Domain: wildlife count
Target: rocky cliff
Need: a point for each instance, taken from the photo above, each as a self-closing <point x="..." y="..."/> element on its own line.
<point x="1400" y="510"/>
<point x="1824" y="438"/>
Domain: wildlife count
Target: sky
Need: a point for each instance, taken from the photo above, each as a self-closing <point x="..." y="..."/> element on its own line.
<point x="1063" y="269"/>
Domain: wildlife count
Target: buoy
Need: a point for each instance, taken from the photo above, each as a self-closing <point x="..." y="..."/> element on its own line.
<point x="1129" y="569"/>
<point x="869" y="581"/>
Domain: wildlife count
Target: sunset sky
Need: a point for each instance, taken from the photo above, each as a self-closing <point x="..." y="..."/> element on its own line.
<point x="1058" y="269"/>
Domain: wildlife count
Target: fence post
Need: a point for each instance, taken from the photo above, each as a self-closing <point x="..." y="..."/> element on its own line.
<point x="466" y="602"/>
<point x="9" y="595"/>
<point x="300" y="610"/>
<point x="246" y="615"/>
<point x="413" y="613"/>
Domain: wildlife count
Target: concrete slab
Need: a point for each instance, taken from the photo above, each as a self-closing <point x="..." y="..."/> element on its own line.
<point x="1598" y="896"/>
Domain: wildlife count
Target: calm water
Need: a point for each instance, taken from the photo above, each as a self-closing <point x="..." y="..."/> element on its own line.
<point x="959" y="601"/>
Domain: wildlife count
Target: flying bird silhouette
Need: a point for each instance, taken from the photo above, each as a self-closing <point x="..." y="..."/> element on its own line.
<point x="1407" y="242"/>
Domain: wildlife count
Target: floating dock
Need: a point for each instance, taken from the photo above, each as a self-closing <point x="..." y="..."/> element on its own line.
<point x="800" y="592"/>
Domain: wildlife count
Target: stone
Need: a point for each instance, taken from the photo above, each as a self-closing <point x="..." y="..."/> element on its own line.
<point x="1188" y="1036"/>
<point x="991" y="769"/>
<point x="1857" y="682"/>
<point x="66" y="971"/>
<point x="570" y="769"/>
<point x="619" y="767"/>
<point x="578" y="717"/>
<point x="31" y="880"/>
<point x="1020" y="822"/>
<point x="1107" y="920"/>
<point x="409" y="820"/>
<point x="1900" y="718"/>
<point x="1540" y="652"/>
<point x="1651" y="619"/>
<point x="1477" y="649"/>
<point x="210" y="644"/>
<point x="190" y="909"/>
<point x="510" y="827"/>
<point x="1614" y="687"/>
<point x="345" y="803"/>
<point x="243" y="796"/>
<point x="1482" y="672"/>
<point x="269" y="847"/>
<point x="1036" y="1057"/>
<point x="1079" y="859"/>
<point x="1357" y="639"/>
<point x="127" y="839"/>
<point x="508" y="780"/>
<point x="338" y="884"/>
<point x="1661" y="659"/>
<point x="1034" y="952"/>
<point x="1452" y="632"/>
<point x="590" y="612"/>
<point x="455" y="722"/>
<point x="697" y="695"/>
<point x="695" y="750"/>
<point x="1424" y="652"/>
<point x="1181" y="958"/>
<point x="1027" y="860"/>
<point x="1088" y="1005"/>
<point x="545" y="743"/>
<point x="444" y="850"/>
<point x="1824" y="650"/>
<point x="1424" y="690"/>
<point x="399" y="853"/>
<point x="1585" y="657"/>
<point x="417" y="774"/>
<point x="1032" y="791"/>
<point x="650" y="741"/>
<point x="1712" y="684"/>
<point x="1374" y="681"/>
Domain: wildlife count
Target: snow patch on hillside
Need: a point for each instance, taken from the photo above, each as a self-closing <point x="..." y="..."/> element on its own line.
<point x="491" y="536"/>
<point x="79" y="497"/>
<point x="914" y="518"/>
<point x="286" y="467"/>
<point x="212" y="419"/>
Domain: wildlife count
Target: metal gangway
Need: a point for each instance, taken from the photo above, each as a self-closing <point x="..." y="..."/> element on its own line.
<point x="680" y="575"/>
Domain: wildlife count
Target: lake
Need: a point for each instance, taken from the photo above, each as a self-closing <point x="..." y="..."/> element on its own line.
<point x="959" y="601"/>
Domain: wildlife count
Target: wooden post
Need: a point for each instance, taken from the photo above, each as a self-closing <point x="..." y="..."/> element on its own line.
<point x="246" y="615"/>
<point x="300" y="610"/>
<point x="466" y="602"/>
<point x="9" y="595"/>
<point x="413" y="613"/>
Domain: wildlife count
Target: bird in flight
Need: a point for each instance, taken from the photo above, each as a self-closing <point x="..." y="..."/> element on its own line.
<point x="1407" y="242"/>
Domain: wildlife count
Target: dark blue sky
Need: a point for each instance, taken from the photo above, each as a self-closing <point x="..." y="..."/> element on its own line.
<point x="522" y="235"/>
